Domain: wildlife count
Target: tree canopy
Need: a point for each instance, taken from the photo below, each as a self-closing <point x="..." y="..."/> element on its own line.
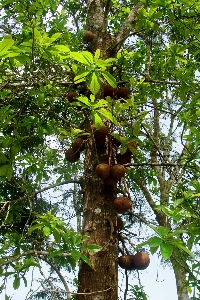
<point x="93" y="82"/>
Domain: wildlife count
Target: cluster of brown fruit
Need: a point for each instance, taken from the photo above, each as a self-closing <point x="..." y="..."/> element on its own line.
<point x="110" y="175"/>
<point x="73" y="153"/>
<point x="116" y="93"/>
<point x="139" y="261"/>
<point x="100" y="139"/>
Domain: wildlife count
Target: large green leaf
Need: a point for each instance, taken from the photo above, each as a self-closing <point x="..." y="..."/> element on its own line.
<point x="75" y="254"/>
<point x="85" y="58"/>
<point x="108" y="115"/>
<point x="5" y="45"/>
<point x="16" y="282"/>
<point x="109" y="78"/>
<point x="94" y="84"/>
<point x="166" y="250"/>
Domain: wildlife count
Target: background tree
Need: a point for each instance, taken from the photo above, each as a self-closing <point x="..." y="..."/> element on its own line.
<point x="119" y="81"/>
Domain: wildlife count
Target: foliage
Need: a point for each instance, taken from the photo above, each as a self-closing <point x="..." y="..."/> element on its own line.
<point x="42" y="59"/>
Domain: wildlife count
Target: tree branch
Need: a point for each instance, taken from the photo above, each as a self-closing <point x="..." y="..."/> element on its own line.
<point x="33" y="252"/>
<point x="126" y="27"/>
<point x="40" y="191"/>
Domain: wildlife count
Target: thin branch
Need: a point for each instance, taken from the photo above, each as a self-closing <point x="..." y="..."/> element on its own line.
<point x="160" y="216"/>
<point x="39" y="191"/>
<point x="170" y="164"/>
<point x="60" y="276"/>
<point x="32" y="252"/>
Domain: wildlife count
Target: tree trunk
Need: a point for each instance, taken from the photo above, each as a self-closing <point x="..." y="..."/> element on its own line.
<point x="100" y="281"/>
<point x="181" y="285"/>
<point x="180" y="276"/>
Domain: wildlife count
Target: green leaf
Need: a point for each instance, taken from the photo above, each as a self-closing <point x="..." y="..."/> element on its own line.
<point x="92" y="247"/>
<point x="47" y="230"/>
<point x="97" y="120"/>
<point x="109" y="78"/>
<point x="136" y="128"/>
<point x="153" y="250"/>
<point x="41" y="99"/>
<point x="166" y="250"/>
<point x="94" y="84"/>
<point x="154" y="241"/>
<point x="85" y="58"/>
<point x="56" y="235"/>
<point x="163" y="231"/>
<point x="85" y="259"/>
<point x="9" y="218"/>
<point x="59" y="48"/>
<point x="84" y="100"/>
<point x="9" y="172"/>
<point x="108" y="115"/>
<point x="13" y="152"/>
<point x="97" y="55"/>
<point x="34" y="227"/>
<point x="178" y="244"/>
<point x="6" y="170"/>
<point x="16" y="283"/>
<point x="81" y="76"/>
<point x="75" y="254"/>
<point x="5" y="45"/>
<point x="88" y="56"/>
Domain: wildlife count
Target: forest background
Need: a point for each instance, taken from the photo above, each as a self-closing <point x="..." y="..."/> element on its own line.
<point x="103" y="95"/>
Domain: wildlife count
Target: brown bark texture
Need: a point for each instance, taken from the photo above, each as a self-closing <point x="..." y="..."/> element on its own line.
<point x="99" y="281"/>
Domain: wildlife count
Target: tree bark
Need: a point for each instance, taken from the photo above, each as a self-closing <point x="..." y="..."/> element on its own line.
<point x="99" y="281"/>
<point x="180" y="280"/>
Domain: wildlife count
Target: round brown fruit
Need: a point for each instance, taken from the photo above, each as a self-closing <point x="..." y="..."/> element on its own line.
<point x="100" y="135"/>
<point x="125" y="262"/>
<point x="71" y="155"/>
<point x="140" y="260"/>
<point x="103" y="171"/>
<point x="79" y="144"/>
<point x="122" y="204"/>
<point x="88" y="36"/>
<point x="110" y="91"/>
<point x="72" y="97"/>
<point x="120" y="224"/>
<point x="111" y="180"/>
<point x="123" y="159"/>
<point x="118" y="171"/>
<point x="123" y="92"/>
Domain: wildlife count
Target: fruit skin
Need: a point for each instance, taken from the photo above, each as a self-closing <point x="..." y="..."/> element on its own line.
<point x="111" y="180"/>
<point x="124" y="158"/>
<point x="71" y="155"/>
<point x="102" y="171"/>
<point x="88" y="36"/>
<point x="140" y="260"/>
<point x="123" y="92"/>
<point x="79" y="144"/>
<point x="72" y="97"/>
<point x="118" y="171"/>
<point x="122" y="204"/>
<point x="125" y="262"/>
<point x="100" y="135"/>
<point x="110" y="91"/>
